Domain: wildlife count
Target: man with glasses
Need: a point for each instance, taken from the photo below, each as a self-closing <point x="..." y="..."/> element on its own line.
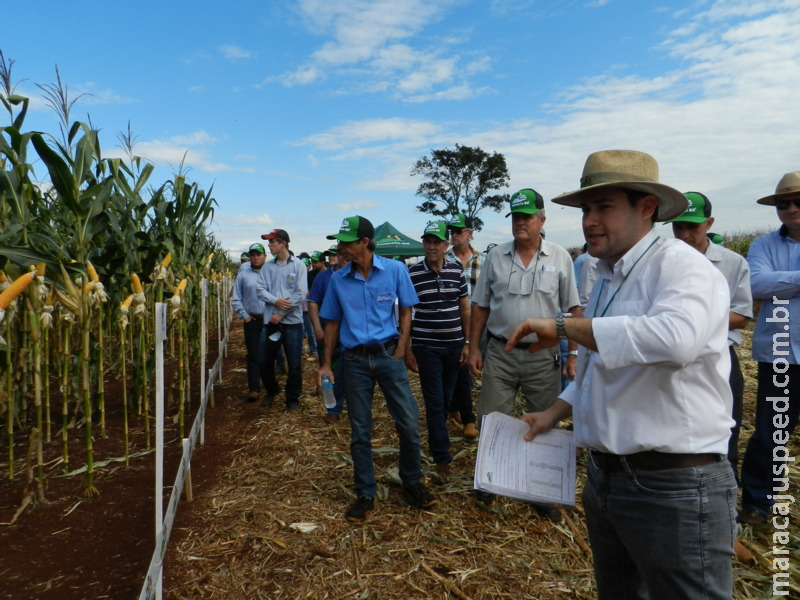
<point x="526" y="277"/>
<point x="439" y="337"/>
<point x="359" y="310"/>
<point x="774" y="261"/>
<point x="461" y="251"/>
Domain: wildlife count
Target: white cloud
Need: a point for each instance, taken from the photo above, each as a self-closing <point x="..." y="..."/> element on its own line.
<point x="234" y="52"/>
<point x="186" y="148"/>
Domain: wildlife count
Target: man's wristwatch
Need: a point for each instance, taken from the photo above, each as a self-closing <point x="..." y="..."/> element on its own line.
<point x="560" y="325"/>
<point x="572" y="353"/>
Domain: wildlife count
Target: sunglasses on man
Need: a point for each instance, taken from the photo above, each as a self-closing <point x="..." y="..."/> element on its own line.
<point x="785" y="204"/>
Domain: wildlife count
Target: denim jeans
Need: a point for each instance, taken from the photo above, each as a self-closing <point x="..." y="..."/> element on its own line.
<point x="736" y="381"/>
<point x="361" y="372"/>
<point x="662" y="535"/>
<point x="254" y="342"/>
<point x="438" y="370"/>
<point x="461" y="400"/>
<point x="338" y="376"/>
<point x="308" y="327"/>
<point x="758" y="464"/>
<point x="291" y="340"/>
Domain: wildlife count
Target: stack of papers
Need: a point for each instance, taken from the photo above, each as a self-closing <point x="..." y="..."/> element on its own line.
<point x="542" y="470"/>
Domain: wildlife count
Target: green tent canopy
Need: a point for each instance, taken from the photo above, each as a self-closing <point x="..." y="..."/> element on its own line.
<point x="391" y="242"/>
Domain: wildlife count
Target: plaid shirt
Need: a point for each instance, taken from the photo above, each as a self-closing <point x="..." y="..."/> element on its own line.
<point x="472" y="270"/>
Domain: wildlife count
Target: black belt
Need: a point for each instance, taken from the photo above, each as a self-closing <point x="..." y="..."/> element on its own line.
<point x="650" y="460"/>
<point x="372" y="348"/>
<point x="257" y="317"/>
<point x="504" y="341"/>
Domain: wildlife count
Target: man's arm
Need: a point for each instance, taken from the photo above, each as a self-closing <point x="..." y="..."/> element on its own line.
<point x="313" y="314"/>
<point x="540" y="422"/>
<point x="405" y="332"/>
<point x="765" y="280"/>
<point x="464" y="310"/>
<point x="737" y="321"/>
<point x="330" y="339"/>
<point x="478" y="318"/>
<point x="577" y="329"/>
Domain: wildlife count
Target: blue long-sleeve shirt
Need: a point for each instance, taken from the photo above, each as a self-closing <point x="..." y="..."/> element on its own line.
<point x="245" y="301"/>
<point x="774" y="260"/>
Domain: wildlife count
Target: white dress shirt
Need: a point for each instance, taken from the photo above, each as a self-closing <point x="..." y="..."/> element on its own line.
<point x="659" y="379"/>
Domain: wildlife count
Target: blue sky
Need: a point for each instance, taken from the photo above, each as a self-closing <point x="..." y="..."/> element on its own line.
<point x="303" y="112"/>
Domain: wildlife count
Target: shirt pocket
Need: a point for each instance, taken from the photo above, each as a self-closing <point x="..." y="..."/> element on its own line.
<point x="547" y="282"/>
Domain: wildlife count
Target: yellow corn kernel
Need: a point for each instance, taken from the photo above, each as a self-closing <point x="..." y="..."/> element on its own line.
<point x="136" y="284"/>
<point x="15" y="289"/>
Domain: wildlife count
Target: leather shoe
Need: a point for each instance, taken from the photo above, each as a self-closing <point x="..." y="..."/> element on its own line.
<point x="443" y="472"/>
<point x="470" y="432"/>
<point x="252" y="397"/>
<point x="331" y="418"/>
<point x="548" y="512"/>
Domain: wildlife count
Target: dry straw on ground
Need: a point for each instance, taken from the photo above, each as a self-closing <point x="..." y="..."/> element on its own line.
<point x="272" y="525"/>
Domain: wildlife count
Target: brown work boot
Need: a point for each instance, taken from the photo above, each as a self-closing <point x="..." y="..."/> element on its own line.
<point x="470" y="431"/>
<point x="443" y="472"/>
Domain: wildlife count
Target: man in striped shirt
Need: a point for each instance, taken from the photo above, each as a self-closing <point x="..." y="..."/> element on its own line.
<point x="438" y="336"/>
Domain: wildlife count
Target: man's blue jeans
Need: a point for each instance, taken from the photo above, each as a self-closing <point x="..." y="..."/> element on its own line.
<point x="438" y="370"/>
<point x="291" y="340"/>
<point x="254" y="342"/>
<point x="361" y="372"/>
<point x="662" y="535"/>
<point x="758" y="477"/>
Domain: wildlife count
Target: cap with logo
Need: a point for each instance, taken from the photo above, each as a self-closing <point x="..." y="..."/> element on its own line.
<point x="460" y="221"/>
<point x="699" y="210"/>
<point x="276" y="234"/>
<point x="332" y="251"/>
<point x="256" y="248"/>
<point x="316" y="256"/>
<point x="526" y="201"/>
<point x="244" y="256"/>
<point x="437" y="229"/>
<point x="353" y="229"/>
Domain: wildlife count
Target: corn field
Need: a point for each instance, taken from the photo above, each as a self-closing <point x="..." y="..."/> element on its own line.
<point x="87" y="247"/>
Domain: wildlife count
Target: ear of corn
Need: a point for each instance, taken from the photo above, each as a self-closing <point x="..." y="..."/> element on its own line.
<point x="167" y="260"/>
<point x="182" y="286"/>
<point x="3" y="276"/>
<point x="136" y="284"/>
<point x="92" y="272"/>
<point x="127" y="302"/>
<point x="15" y="289"/>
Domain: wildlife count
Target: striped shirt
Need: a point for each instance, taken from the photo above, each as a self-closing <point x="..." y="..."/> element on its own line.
<point x="436" y="320"/>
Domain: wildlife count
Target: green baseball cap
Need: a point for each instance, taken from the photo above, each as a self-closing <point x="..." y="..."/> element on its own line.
<point x="526" y="201"/>
<point x="316" y="256"/>
<point x="256" y="248"/>
<point x="353" y="229"/>
<point x="437" y="229"/>
<point x="460" y="221"/>
<point x="699" y="210"/>
<point x="331" y="251"/>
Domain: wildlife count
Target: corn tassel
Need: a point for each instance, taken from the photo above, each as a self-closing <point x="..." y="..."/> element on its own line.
<point x="15" y="289"/>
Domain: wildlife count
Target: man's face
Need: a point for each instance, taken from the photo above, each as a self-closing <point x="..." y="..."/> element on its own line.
<point x="611" y="225"/>
<point x="434" y="248"/>
<point x="526" y="228"/>
<point x="460" y="236"/>
<point x="789" y="214"/>
<point x="317" y="265"/>
<point x="257" y="259"/>
<point x="274" y="246"/>
<point x="693" y="234"/>
<point x="333" y="260"/>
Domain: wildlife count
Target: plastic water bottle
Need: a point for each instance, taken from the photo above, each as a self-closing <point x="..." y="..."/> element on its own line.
<point x="327" y="392"/>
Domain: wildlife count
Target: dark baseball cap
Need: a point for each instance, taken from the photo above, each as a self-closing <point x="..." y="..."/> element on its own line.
<point x="279" y="234"/>
<point x="353" y="229"/>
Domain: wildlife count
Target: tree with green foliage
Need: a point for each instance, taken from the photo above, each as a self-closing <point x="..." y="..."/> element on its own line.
<point x="461" y="181"/>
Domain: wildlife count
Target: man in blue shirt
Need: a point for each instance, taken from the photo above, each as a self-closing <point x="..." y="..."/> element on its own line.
<point x="250" y="309"/>
<point x="359" y="310"/>
<point x="283" y="286"/>
<point x="774" y="261"/>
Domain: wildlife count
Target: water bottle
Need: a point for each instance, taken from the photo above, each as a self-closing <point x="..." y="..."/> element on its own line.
<point x="327" y="392"/>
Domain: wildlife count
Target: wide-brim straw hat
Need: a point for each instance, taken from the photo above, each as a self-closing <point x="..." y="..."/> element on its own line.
<point x="626" y="169"/>
<point x="788" y="188"/>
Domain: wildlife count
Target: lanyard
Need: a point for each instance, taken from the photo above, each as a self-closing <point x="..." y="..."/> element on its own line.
<point x="624" y="279"/>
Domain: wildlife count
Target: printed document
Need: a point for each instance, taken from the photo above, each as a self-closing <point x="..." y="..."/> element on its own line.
<point x="542" y="470"/>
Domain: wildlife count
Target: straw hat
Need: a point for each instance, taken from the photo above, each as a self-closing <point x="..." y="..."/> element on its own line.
<point x="788" y="188"/>
<point x="626" y="169"/>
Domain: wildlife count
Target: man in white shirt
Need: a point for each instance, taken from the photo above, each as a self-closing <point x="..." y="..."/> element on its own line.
<point x="651" y="398"/>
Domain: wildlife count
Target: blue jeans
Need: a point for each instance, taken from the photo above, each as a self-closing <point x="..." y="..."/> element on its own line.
<point x="662" y="535"/>
<point x="308" y="327"/>
<point x="254" y="342"/>
<point x="758" y="477"/>
<point x="338" y="376"/>
<point x="438" y="370"/>
<point x="361" y="372"/>
<point x="291" y="340"/>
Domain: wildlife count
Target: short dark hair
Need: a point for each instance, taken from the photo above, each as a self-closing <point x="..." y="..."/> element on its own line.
<point x="635" y="196"/>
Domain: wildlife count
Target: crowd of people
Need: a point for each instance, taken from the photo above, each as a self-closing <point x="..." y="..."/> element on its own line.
<point x="634" y="341"/>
